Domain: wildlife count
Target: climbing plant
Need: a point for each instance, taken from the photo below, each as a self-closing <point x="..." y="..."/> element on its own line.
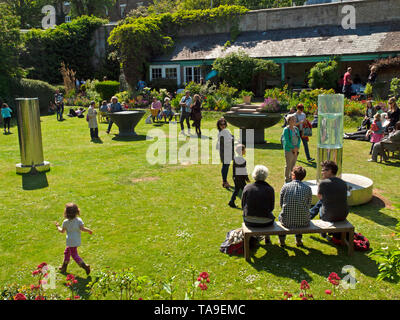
<point x="138" y="39"/>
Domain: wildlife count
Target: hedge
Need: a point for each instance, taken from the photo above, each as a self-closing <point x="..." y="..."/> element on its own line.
<point x="107" y="89"/>
<point x="28" y="88"/>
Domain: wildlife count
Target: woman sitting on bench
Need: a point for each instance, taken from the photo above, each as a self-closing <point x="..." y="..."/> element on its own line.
<point x="258" y="200"/>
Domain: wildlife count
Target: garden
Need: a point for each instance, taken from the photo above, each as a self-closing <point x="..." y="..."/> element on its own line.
<point x="158" y="228"/>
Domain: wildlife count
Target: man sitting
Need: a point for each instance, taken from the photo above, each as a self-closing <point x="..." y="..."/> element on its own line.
<point x="295" y="201"/>
<point x="332" y="192"/>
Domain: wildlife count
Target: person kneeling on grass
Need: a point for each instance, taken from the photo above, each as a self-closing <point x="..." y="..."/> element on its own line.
<point x="295" y="201"/>
<point x="258" y="201"/>
<point x="332" y="193"/>
<point x="240" y="176"/>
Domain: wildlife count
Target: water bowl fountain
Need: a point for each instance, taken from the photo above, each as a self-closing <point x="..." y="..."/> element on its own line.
<point x="250" y="116"/>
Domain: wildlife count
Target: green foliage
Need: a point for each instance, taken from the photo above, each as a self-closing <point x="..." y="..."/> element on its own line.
<point x="160" y="83"/>
<point x="238" y="69"/>
<point x="90" y="7"/>
<point x="9" y="44"/>
<point x="395" y="87"/>
<point x="388" y="260"/>
<point x="28" y="88"/>
<point x="107" y="89"/>
<point x="70" y="43"/>
<point x="193" y="87"/>
<point x="244" y="93"/>
<point x="368" y="89"/>
<point x="323" y="75"/>
<point x="139" y="39"/>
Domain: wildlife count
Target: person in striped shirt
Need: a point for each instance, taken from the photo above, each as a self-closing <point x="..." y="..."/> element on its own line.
<point x="295" y="201"/>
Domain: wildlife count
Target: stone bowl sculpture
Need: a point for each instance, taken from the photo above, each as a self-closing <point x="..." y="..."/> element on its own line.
<point x="126" y="121"/>
<point x="250" y="116"/>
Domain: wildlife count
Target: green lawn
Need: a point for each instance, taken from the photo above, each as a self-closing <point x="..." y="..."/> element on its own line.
<point x="162" y="219"/>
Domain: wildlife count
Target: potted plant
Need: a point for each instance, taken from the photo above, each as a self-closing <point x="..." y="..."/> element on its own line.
<point x="246" y="96"/>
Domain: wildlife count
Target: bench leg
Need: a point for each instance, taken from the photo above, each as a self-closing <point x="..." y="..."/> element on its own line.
<point x="246" y="246"/>
<point x="350" y="243"/>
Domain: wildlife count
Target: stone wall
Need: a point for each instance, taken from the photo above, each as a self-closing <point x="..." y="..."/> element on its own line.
<point x="306" y="16"/>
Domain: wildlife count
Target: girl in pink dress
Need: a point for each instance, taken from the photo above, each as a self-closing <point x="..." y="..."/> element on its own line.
<point x="376" y="131"/>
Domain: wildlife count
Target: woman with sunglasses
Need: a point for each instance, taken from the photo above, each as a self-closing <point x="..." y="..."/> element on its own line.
<point x="393" y="114"/>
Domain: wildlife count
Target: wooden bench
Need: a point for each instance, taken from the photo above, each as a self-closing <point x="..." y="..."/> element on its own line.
<point x="316" y="226"/>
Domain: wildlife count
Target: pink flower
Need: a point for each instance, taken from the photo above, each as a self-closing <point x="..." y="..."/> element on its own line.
<point x="77" y="297"/>
<point x="204" y="275"/>
<point x="328" y="291"/>
<point x="74" y="281"/>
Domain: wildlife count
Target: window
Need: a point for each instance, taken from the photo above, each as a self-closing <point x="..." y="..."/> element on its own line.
<point x="122" y="8"/>
<point x="156" y="73"/>
<point x="192" y="74"/>
<point x="67" y="19"/>
<point x="170" y="73"/>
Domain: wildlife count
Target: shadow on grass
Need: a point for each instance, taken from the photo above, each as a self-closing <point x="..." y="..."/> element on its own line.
<point x="81" y="289"/>
<point x="98" y="140"/>
<point x="34" y="181"/>
<point x="308" y="164"/>
<point x="130" y="138"/>
<point x="278" y="262"/>
<point x="372" y="211"/>
<point x="268" y="146"/>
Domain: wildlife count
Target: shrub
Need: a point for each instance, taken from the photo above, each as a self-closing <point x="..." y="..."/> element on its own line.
<point x="395" y="87"/>
<point x="244" y="93"/>
<point x="238" y="69"/>
<point x="107" y="89"/>
<point x="28" y="88"/>
<point x="164" y="83"/>
<point x="193" y="87"/>
<point x="323" y="75"/>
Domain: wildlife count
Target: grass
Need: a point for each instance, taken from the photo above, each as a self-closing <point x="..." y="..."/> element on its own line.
<point x="161" y="219"/>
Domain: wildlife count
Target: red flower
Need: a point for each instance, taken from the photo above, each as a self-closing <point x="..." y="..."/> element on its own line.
<point x="35" y="272"/>
<point x="70" y="277"/>
<point x="68" y="299"/>
<point x="204" y="275"/>
<point x="77" y="297"/>
<point x="199" y="279"/>
<point x="304" y="285"/>
<point x="74" y="281"/>
<point x="301" y="295"/>
<point x="208" y="279"/>
<point x="140" y="299"/>
<point x="19" y="296"/>
<point x="68" y="284"/>
<point x="40" y="298"/>
<point x="304" y="298"/>
<point x="328" y="291"/>
<point x="334" y="276"/>
<point x="40" y="266"/>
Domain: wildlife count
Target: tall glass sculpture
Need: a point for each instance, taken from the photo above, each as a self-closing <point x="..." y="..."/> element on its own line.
<point x="30" y="136"/>
<point x="330" y="131"/>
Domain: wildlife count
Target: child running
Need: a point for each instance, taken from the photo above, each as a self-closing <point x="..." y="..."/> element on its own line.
<point x="6" y="114"/>
<point x="73" y="225"/>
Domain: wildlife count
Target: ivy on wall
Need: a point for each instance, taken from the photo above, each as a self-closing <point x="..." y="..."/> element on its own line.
<point x="44" y="50"/>
<point x="139" y="39"/>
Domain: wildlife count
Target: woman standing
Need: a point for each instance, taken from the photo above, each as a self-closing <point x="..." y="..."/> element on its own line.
<point x="301" y="123"/>
<point x="225" y="146"/>
<point x="196" y="114"/>
<point x="92" y="119"/>
<point x="6" y="115"/>
<point x="291" y="144"/>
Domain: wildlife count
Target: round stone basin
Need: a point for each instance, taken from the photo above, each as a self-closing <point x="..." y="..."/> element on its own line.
<point x="126" y="121"/>
<point x="254" y="121"/>
<point x="251" y="120"/>
<point x="360" y="192"/>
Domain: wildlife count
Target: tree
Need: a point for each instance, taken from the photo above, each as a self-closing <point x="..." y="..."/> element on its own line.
<point x="9" y="44"/>
<point x="239" y="70"/>
<point x="28" y="11"/>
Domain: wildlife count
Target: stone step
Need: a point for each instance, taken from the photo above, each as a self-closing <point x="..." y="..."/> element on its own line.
<point x="246" y="111"/>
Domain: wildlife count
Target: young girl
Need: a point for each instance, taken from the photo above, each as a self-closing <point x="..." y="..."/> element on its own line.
<point x="6" y="114"/>
<point x="73" y="225"/>
<point x="92" y="119"/>
<point x="376" y="131"/>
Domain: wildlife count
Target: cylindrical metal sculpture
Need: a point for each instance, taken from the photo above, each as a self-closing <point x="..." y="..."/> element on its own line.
<point x="30" y="136"/>
<point x="330" y="131"/>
